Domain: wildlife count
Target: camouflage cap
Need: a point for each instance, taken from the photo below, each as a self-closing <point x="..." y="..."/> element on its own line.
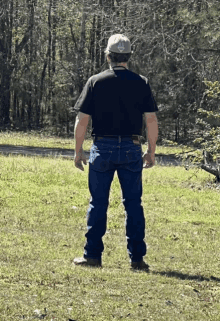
<point x="119" y="44"/>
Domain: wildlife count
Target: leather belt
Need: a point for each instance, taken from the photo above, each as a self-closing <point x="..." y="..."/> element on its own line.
<point x="133" y="137"/>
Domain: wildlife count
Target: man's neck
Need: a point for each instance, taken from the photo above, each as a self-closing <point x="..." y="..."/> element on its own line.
<point x="116" y="64"/>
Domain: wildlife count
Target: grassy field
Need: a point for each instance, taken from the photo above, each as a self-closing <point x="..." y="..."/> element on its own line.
<point x="43" y="204"/>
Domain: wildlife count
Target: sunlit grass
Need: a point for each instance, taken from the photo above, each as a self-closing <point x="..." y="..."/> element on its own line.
<point x="35" y="139"/>
<point x="43" y="205"/>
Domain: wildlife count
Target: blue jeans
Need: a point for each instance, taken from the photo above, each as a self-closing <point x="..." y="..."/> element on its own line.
<point x="107" y="155"/>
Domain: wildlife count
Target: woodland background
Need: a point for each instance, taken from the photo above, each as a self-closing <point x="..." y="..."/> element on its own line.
<point x="49" y="48"/>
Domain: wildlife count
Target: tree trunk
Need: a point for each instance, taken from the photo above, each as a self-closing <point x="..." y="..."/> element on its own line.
<point x="97" y="39"/>
<point x="5" y="96"/>
<point x="92" y="47"/>
<point x="30" y="51"/>
<point x="39" y="110"/>
<point x="81" y="51"/>
<point x="29" y="108"/>
<point x="6" y="70"/>
<point x="49" y="56"/>
<point x="54" y="38"/>
<point x="213" y="171"/>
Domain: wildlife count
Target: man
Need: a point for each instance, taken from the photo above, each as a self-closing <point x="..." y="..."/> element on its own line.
<point x="116" y="100"/>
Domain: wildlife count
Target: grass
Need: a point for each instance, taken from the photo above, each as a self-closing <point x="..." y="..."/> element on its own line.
<point x="35" y="139"/>
<point x="43" y="204"/>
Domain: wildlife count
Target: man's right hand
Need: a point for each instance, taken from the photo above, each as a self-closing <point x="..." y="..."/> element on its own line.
<point x="148" y="160"/>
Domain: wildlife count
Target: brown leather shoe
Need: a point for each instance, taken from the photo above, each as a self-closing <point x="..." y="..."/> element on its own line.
<point x="87" y="262"/>
<point x="141" y="265"/>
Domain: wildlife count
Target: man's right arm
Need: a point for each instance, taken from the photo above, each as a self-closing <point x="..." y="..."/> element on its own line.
<point x="152" y="135"/>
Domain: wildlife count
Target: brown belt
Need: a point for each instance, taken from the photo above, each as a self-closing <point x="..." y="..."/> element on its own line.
<point x="133" y="137"/>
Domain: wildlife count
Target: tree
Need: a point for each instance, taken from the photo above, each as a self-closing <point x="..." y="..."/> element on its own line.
<point x="9" y="53"/>
<point x="208" y="121"/>
<point x="49" y="48"/>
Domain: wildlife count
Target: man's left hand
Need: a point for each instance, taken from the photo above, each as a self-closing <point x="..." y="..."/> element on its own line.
<point x="79" y="158"/>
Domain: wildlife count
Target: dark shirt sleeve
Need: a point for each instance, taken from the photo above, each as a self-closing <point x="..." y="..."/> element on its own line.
<point x="84" y="103"/>
<point x="149" y="103"/>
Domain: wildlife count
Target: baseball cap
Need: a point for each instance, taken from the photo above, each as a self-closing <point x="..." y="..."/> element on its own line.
<point x="119" y="44"/>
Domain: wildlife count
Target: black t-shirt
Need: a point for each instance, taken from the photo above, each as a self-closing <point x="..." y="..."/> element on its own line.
<point x="116" y="100"/>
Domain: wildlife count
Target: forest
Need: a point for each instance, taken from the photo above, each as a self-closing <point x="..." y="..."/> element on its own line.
<point x="49" y="48"/>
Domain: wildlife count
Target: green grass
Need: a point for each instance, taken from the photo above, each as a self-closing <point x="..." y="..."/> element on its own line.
<point x="35" y="139"/>
<point x="43" y="204"/>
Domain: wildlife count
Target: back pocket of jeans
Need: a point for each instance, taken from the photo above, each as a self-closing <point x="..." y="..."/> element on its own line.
<point x="99" y="159"/>
<point x="134" y="160"/>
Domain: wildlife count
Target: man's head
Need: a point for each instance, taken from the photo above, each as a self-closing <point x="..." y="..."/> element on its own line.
<point x="118" y="49"/>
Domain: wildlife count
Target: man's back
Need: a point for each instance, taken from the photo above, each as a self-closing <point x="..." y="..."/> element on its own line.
<point x="116" y="99"/>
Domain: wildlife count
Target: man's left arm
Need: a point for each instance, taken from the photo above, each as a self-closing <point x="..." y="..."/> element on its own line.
<point x="82" y="121"/>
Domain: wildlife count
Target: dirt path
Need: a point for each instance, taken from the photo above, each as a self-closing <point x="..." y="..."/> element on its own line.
<point x="69" y="153"/>
<point x="36" y="151"/>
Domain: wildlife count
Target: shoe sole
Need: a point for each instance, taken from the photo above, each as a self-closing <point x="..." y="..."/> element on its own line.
<point x="84" y="262"/>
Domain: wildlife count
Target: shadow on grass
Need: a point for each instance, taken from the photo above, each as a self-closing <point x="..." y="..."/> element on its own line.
<point x="37" y="151"/>
<point x="182" y="276"/>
